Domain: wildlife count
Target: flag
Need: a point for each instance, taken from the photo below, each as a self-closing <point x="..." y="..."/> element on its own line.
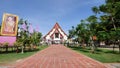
<point x="24" y="26"/>
<point x="37" y="29"/>
<point x="31" y="29"/>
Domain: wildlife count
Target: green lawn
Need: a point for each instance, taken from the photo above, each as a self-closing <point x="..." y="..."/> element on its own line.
<point x="102" y="55"/>
<point x="12" y="57"/>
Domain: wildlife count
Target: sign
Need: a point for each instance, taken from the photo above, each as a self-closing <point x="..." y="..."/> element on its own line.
<point x="9" y="25"/>
<point x="94" y="38"/>
<point x="8" y="39"/>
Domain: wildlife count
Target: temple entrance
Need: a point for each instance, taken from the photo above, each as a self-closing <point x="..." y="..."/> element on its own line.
<point x="56" y="35"/>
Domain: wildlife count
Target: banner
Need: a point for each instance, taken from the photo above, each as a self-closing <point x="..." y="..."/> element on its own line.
<point x="9" y="25"/>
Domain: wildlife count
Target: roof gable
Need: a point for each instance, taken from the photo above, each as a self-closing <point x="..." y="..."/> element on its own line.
<point x="56" y="27"/>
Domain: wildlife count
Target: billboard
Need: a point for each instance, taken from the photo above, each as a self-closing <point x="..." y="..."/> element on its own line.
<point x="9" y="25"/>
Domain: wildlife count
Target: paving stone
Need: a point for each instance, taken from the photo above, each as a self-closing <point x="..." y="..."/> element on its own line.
<point x="59" y="56"/>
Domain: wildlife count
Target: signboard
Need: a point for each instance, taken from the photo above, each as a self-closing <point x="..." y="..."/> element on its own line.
<point x="9" y="25"/>
<point x="8" y="39"/>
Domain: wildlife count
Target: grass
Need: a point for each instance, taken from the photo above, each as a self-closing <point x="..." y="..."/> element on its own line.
<point x="12" y="57"/>
<point x="102" y="55"/>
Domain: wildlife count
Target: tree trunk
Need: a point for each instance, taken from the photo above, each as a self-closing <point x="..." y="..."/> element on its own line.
<point x="113" y="23"/>
<point x="95" y="45"/>
<point x="114" y="47"/>
<point x="92" y="47"/>
<point x="17" y="49"/>
<point x="6" y="49"/>
<point x="31" y="45"/>
<point x="0" y="49"/>
<point x="119" y="48"/>
<point x="13" y="48"/>
<point x="83" y="44"/>
<point x="22" y="49"/>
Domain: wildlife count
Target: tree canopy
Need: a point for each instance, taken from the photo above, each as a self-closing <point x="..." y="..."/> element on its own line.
<point x="104" y="24"/>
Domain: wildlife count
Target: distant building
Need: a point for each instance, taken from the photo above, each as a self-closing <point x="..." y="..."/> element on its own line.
<point x="55" y="35"/>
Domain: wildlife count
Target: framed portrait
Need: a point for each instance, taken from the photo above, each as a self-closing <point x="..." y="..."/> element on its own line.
<point x="9" y="25"/>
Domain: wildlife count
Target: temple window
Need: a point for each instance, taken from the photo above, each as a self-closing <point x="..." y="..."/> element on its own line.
<point x="56" y="35"/>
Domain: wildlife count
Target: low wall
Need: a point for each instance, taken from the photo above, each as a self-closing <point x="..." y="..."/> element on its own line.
<point x="8" y="39"/>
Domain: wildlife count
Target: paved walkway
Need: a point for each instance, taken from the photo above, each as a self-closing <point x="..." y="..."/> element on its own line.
<point x="58" y="56"/>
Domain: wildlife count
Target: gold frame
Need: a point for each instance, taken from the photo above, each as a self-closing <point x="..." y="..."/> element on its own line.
<point x="3" y="24"/>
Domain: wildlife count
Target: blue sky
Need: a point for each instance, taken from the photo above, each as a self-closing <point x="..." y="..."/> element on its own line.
<point x="45" y="13"/>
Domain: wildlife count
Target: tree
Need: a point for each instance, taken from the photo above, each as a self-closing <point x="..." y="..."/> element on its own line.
<point x="95" y="10"/>
<point x="105" y="24"/>
<point x="118" y="37"/>
<point x="24" y="39"/>
<point x="71" y="32"/>
<point x="111" y="16"/>
<point x="111" y="9"/>
<point x="36" y="37"/>
<point x="93" y="24"/>
<point x="20" y="22"/>
<point x="82" y="32"/>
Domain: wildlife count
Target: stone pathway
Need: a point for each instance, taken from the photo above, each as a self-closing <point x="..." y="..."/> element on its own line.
<point x="58" y="56"/>
<point x="114" y="65"/>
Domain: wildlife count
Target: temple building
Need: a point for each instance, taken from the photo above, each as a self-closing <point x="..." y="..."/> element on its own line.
<point x="55" y="35"/>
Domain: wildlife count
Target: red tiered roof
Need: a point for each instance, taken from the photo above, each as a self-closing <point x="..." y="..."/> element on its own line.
<point x="56" y="26"/>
